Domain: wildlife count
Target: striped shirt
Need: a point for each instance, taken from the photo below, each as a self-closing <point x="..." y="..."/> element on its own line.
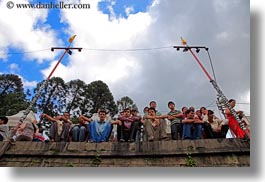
<point x="176" y="120"/>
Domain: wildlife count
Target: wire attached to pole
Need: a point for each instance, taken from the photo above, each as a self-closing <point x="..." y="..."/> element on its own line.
<point x="35" y="98"/>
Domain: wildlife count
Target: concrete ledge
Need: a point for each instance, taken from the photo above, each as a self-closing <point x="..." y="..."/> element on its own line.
<point x="208" y="151"/>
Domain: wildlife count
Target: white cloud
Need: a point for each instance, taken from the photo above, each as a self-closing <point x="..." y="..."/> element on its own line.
<point x="129" y="10"/>
<point x="222" y="6"/>
<point x="161" y="75"/>
<point x="29" y="84"/>
<point x="14" y="67"/>
<point x="95" y="30"/>
<point x="25" y="30"/>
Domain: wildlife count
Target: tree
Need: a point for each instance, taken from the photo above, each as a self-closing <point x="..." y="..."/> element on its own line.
<point x="101" y="97"/>
<point x="12" y="97"/>
<point x="77" y="102"/>
<point x="10" y="83"/>
<point x="52" y="99"/>
<point x="126" y="102"/>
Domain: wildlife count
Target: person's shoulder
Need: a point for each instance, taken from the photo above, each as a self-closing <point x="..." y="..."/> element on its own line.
<point x="177" y="111"/>
<point x="94" y="120"/>
<point x="158" y="113"/>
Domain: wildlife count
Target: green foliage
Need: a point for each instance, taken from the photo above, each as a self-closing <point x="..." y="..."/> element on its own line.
<point x="10" y="83"/>
<point x="96" y="161"/>
<point x="12" y="97"/>
<point x="74" y="120"/>
<point x="77" y="102"/>
<point x="69" y="165"/>
<point x="52" y="98"/>
<point x="74" y="97"/>
<point x="126" y="102"/>
<point x="190" y="162"/>
<point x="101" y="97"/>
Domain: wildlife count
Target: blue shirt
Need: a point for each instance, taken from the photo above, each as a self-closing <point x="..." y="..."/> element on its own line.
<point x="100" y="126"/>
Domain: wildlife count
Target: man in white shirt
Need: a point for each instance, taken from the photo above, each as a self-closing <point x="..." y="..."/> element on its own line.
<point x="4" y="132"/>
<point x="214" y="127"/>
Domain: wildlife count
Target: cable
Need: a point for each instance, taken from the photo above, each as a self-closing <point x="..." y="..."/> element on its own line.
<point x="102" y="50"/>
<point x="210" y="104"/>
<point x="211" y="64"/>
<point x="128" y="50"/>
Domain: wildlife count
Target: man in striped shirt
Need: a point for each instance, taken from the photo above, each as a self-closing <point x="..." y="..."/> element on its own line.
<point x="174" y="116"/>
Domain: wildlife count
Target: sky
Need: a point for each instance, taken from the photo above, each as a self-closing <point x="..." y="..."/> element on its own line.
<point x="10" y="41"/>
<point x="110" y="31"/>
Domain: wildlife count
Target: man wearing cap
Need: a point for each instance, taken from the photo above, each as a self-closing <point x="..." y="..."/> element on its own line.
<point x="4" y="131"/>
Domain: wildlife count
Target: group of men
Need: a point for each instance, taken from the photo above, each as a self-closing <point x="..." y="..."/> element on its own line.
<point x="184" y="124"/>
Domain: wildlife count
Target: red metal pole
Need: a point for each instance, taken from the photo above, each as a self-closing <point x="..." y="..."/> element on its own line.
<point x="198" y="61"/>
<point x="44" y="84"/>
<point x="58" y="62"/>
<point x="219" y="91"/>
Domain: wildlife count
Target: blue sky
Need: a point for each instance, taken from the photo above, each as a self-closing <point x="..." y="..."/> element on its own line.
<point x="120" y="6"/>
<point x="26" y="67"/>
<point x="223" y="26"/>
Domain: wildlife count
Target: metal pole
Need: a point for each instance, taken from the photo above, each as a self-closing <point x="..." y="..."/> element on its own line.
<point x="35" y="98"/>
<point x="223" y="98"/>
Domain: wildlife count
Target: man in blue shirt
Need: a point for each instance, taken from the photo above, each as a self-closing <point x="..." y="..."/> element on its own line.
<point x="100" y="130"/>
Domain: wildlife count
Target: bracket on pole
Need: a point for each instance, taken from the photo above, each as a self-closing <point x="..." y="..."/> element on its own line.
<point x="186" y="48"/>
<point x="68" y="49"/>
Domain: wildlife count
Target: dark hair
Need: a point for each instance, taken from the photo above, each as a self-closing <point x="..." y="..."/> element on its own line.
<point x="102" y="110"/>
<point x="203" y="108"/>
<point x="192" y="108"/>
<point x="151" y="108"/>
<point x="189" y="110"/>
<point x="231" y="100"/>
<point x="127" y="109"/>
<point x="210" y="112"/>
<point x="183" y="108"/>
<point x="170" y="102"/>
<point x="152" y="102"/>
<point x="5" y="119"/>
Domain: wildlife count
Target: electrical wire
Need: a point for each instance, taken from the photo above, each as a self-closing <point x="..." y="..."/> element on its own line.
<point x="101" y="50"/>
<point x="129" y="50"/>
<point x="211" y="64"/>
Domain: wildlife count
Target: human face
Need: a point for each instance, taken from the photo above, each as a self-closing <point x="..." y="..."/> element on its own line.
<point x="127" y="113"/>
<point x="146" y="110"/>
<point x="198" y="113"/>
<point x="102" y="116"/>
<point x="134" y="113"/>
<point x="203" y="110"/>
<point x="190" y="115"/>
<point x="171" y="106"/>
<point x="66" y="115"/>
<point x="233" y="103"/>
<point x="210" y="117"/>
<point x="151" y="112"/>
<point x="184" y="109"/>
<point x="153" y="104"/>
